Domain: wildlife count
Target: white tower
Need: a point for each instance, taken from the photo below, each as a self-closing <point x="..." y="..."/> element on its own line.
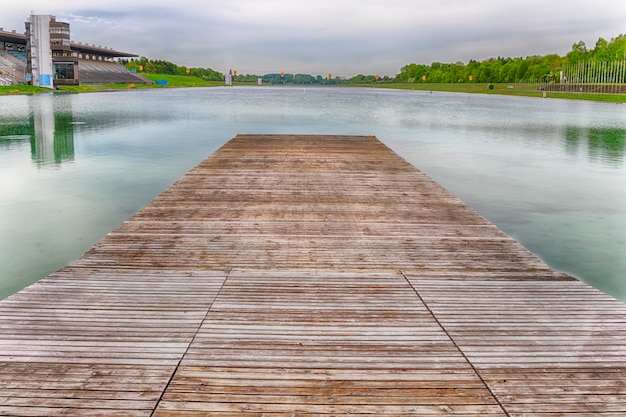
<point x="40" y="52"/>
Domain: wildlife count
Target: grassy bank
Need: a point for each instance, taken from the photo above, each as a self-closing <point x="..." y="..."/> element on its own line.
<point x="166" y="81"/>
<point x="177" y="81"/>
<point x="173" y="81"/>
<point x="525" y="90"/>
<point x="21" y="89"/>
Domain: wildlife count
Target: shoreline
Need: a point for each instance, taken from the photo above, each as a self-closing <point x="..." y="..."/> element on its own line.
<point x="490" y="89"/>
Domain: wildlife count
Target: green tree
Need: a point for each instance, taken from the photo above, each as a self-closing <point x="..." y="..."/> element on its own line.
<point x="578" y="53"/>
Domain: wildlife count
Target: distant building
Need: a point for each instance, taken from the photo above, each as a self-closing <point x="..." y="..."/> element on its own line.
<point x="45" y="56"/>
<point x="228" y="78"/>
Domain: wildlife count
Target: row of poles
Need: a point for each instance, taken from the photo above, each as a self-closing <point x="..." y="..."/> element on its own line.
<point x="588" y="72"/>
<point x="606" y="77"/>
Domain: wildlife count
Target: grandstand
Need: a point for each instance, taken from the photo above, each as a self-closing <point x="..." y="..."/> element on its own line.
<point x="73" y="63"/>
<point x="12" y="58"/>
<point x="103" y="72"/>
<point x="19" y="55"/>
<point x="12" y="69"/>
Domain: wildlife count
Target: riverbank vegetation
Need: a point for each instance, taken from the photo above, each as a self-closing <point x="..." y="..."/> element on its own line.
<point x="150" y="66"/>
<point x="532" y="69"/>
<point x="597" y="73"/>
<point x="21" y="89"/>
<point x="161" y="81"/>
<point x="517" y="89"/>
<point x="172" y="80"/>
<point x="548" y="68"/>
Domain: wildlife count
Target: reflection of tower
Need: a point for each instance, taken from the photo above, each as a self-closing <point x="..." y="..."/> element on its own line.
<point x="42" y="147"/>
<point x="53" y="138"/>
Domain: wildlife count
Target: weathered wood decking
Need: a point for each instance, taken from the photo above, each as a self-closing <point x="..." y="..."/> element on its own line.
<point x="310" y="275"/>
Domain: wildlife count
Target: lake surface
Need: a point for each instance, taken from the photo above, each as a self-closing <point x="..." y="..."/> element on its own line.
<point x="550" y="173"/>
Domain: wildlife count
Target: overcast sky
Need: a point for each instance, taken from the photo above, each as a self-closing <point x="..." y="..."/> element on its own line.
<point x="342" y="37"/>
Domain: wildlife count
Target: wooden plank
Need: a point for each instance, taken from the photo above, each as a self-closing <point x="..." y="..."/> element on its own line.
<point x="98" y="342"/>
<point x="540" y="346"/>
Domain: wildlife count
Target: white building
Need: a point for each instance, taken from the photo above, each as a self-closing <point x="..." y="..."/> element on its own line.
<point x="40" y="52"/>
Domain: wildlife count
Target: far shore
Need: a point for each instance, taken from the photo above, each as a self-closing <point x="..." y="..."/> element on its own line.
<point x="524" y="90"/>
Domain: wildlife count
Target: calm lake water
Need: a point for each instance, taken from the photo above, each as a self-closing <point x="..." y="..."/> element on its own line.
<point x="550" y="173"/>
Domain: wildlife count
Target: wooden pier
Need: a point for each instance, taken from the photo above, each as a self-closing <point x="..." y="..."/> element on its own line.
<point x="310" y="276"/>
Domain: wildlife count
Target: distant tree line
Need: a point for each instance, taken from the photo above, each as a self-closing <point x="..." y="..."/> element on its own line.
<point x="284" y="78"/>
<point x="492" y="70"/>
<point x="152" y="66"/>
<point x="509" y="70"/>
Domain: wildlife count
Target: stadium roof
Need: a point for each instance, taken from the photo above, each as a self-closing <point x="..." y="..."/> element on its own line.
<point x="20" y="38"/>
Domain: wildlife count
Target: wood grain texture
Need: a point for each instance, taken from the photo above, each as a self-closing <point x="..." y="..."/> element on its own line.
<point x="296" y="275"/>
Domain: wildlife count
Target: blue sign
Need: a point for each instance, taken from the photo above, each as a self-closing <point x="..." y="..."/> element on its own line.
<point x="162" y="82"/>
<point x="45" y="80"/>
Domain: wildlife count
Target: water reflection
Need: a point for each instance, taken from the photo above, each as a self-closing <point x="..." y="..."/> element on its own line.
<point x="14" y="134"/>
<point x="604" y="144"/>
<point x="549" y="173"/>
<point x="49" y="129"/>
<point x="607" y="144"/>
<point x="52" y="140"/>
<point x="10" y="142"/>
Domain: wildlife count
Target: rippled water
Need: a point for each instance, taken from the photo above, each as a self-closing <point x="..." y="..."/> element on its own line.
<point x="550" y="173"/>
